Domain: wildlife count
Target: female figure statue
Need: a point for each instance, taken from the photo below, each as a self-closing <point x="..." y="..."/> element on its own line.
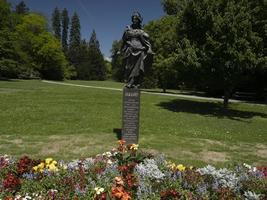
<point x="136" y="48"/>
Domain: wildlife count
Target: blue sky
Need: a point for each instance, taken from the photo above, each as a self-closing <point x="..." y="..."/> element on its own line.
<point x="108" y="17"/>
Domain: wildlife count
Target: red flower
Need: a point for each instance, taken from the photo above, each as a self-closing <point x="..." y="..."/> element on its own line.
<point x="8" y="198"/>
<point x="170" y="194"/>
<point x="102" y="196"/>
<point x="11" y="182"/>
<point x="123" y="168"/>
<point x="26" y="164"/>
<point x="263" y="170"/>
<point x="131" y="180"/>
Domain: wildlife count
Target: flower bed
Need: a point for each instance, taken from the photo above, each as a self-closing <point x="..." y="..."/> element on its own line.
<point x="124" y="174"/>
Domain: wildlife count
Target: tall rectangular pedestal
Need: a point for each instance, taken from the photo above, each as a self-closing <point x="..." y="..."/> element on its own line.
<point x="130" y="115"/>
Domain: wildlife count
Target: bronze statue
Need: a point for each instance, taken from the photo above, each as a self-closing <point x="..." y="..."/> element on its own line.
<point x="137" y="51"/>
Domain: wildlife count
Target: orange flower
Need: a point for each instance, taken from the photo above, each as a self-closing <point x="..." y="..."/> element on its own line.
<point x="121" y="142"/>
<point x="117" y="192"/>
<point x="120" y="194"/>
<point x="8" y="198"/>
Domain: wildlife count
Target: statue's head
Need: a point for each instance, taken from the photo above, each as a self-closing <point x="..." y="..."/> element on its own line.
<point x="136" y="17"/>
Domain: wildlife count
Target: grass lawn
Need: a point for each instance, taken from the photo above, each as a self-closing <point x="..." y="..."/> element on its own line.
<point x="41" y="119"/>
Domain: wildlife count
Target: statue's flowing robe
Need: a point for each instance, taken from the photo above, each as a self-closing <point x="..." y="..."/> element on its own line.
<point x="135" y="48"/>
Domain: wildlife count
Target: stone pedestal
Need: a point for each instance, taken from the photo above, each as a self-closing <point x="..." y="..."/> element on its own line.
<point x="130" y="115"/>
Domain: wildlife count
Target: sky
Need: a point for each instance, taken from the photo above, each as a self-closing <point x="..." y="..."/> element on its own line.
<point x="108" y="17"/>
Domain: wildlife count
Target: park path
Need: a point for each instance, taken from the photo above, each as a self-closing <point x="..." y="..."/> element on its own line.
<point x="144" y="92"/>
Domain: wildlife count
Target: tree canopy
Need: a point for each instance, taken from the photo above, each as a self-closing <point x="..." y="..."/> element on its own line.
<point x="27" y="49"/>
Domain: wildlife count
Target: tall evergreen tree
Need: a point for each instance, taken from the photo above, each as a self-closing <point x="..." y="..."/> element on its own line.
<point x="21" y="8"/>
<point x="56" y="23"/>
<point x="83" y="69"/>
<point x="93" y="42"/>
<point x="96" y="59"/>
<point x="65" y="27"/>
<point x="74" y="40"/>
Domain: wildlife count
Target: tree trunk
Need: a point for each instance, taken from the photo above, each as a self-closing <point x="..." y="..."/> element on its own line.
<point x="226" y="98"/>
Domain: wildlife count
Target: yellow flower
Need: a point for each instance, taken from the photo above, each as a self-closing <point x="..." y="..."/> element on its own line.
<point x="35" y="168"/>
<point x="48" y="161"/>
<point x="52" y="167"/>
<point x="134" y="147"/>
<point x="41" y="165"/>
<point x="180" y="167"/>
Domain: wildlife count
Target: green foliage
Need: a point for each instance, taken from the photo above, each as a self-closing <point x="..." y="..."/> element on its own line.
<point x="8" y="55"/>
<point x="74" y="40"/>
<point x="91" y="63"/>
<point x="108" y="67"/>
<point x="117" y="61"/>
<point x="173" y="7"/>
<point x="216" y="46"/>
<point x="56" y="23"/>
<point x="225" y="44"/>
<point x="5" y="14"/>
<point x="45" y="51"/>
<point x="164" y="45"/>
<point x="65" y="28"/>
<point x="96" y="59"/>
<point x="49" y="57"/>
<point x="21" y="8"/>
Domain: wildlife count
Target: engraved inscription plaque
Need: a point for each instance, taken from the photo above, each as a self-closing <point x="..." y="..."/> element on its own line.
<point x="130" y="115"/>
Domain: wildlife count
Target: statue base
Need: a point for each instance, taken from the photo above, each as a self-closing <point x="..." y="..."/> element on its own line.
<point x="130" y="115"/>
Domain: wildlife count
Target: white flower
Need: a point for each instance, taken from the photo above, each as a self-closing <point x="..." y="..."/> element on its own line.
<point x="17" y="197"/>
<point x="251" y="195"/>
<point x="254" y="169"/>
<point x="99" y="190"/>
<point x="247" y="166"/>
<point x="107" y="154"/>
<point x="109" y="162"/>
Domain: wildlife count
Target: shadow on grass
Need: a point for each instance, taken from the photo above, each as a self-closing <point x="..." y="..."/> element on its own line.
<point x="118" y="133"/>
<point x="8" y="80"/>
<point x="178" y="92"/>
<point x="208" y="109"/>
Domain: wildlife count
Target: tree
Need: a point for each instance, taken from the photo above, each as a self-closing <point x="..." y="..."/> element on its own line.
<point x="221" y="34"/>
<point x="172" y="7"/>
<point x="83" y="69"/>
<point x="74" y="40"/>
<point x="21" y="8"/>
<point x="117" y="61"/>
<point x="164" y="44"/>
<point x="44" y="51"/>
<point x="12" y="58"/>
<point x="93" y="42"/>
<point x="56" y="23"/>
<point x="97" y="63"/>
<point x="65" y="28"/>
<point x="5" y="14"/>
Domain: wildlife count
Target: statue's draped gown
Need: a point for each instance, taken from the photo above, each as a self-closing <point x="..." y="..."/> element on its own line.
<point x="135" y="48"/>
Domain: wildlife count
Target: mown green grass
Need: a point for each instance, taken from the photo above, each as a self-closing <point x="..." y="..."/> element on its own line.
<point x="66" y="122"/>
